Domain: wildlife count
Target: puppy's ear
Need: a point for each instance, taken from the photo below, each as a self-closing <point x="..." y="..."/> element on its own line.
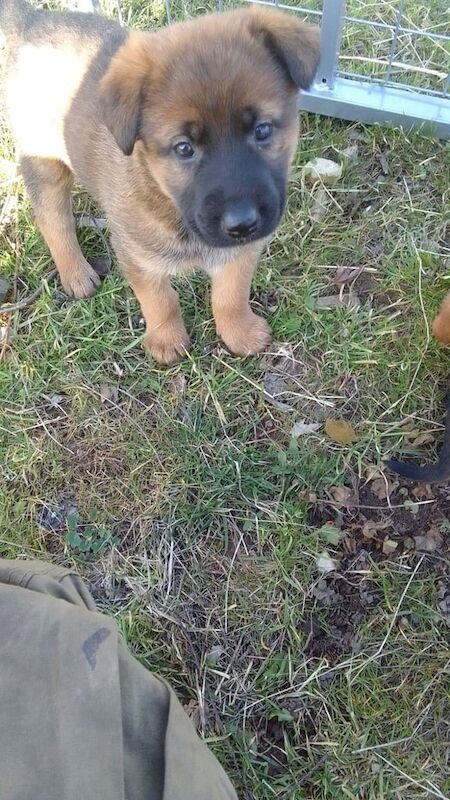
<point x="293" y="44"/>
<point x="124" y="88"/>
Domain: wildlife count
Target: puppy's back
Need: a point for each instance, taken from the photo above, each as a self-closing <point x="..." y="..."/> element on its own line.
<point x="51" y="59"/>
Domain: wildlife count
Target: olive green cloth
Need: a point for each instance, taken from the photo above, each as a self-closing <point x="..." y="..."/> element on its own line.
<point x="81" y="719"/>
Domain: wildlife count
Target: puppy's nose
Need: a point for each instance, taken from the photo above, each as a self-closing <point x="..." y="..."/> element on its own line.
<point x="240" y="220"/>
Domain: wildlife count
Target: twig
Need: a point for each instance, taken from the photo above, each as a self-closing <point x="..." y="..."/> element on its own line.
<point x="9" y="308"/>
<point x="397" y="64"/>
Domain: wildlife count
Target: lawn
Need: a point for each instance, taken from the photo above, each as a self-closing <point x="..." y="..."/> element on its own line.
<point x="295" y="594"/>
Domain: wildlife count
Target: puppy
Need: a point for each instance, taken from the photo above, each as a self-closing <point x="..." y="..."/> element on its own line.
<point x="184" y="136"/>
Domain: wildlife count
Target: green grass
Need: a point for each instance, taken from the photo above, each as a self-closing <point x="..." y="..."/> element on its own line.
<point x="203" y="509"/>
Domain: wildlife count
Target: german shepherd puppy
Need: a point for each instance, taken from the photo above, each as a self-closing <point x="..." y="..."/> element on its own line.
<point x="184" y="136"/>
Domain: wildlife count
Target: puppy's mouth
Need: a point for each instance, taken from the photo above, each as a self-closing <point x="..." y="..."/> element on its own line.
<point x="216" y="238"/>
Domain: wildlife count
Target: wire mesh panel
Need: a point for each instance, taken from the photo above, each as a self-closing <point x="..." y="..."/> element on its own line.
<point x="389" y="65"/>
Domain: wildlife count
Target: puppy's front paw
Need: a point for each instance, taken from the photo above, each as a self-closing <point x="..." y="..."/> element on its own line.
<point x="441" y="324"/>
<point x="80" y="281"/>
<point x="168" y="343"/>
<point x="244" y="335"/>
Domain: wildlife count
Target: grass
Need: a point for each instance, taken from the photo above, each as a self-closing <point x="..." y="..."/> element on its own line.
<point x="202" y="519"/>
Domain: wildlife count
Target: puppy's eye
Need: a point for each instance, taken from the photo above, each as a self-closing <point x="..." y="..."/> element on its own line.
<point x="184" y="150"/>
<point x="263" y="131"/>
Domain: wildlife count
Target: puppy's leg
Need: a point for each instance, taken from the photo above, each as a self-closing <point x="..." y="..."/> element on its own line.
<point x="166" y="337"/>
<point x="441" y="324"/>
<point x="242" y="331"/>
<point x="49" y="183"/>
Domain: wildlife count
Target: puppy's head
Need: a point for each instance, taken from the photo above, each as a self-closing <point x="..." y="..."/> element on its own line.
<point x="212" y="104"/>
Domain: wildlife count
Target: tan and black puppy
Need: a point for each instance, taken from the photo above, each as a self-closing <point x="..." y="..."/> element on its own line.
<point x="184" y="136"/>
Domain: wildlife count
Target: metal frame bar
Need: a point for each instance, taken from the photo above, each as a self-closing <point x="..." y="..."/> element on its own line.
<point x="330" y="33"/>
<point x="361" y="101"/>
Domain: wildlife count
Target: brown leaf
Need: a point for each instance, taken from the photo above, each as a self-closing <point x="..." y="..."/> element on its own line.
<point x="330" y="301"/>
<point x="339" y="430"/>
<point x="422" y="438"/>
<point x="371" y="527"/>
<point x="382" y="488"/>
<point x="5" y="287"/>
<point x="383" y="163"/>
<point x="427" y="544"/>
<point x="109" y="394"/>
<point x="346" y="275"/>
<point x="431" y="542"/>
<point x="302" y="428"/>
<point x="423" y="491"/>
<point x="342" y="495"/>
<point x="177" y="385"/>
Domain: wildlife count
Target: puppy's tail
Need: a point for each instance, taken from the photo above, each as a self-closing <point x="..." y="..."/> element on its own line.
<point x="435" y="473"/>
<point x="13" y="14"/>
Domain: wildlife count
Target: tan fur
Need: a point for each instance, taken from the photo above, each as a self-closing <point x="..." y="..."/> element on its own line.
<point x="75" y="95"/>
<point x="441" y="324"/>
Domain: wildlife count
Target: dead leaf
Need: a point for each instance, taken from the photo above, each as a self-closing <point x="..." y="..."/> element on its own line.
<point x="117" y="369"/>
<point x="346" y="275"/>
<point x="422" y="438"/>
<point x="177" y="385"/>
<point x="342" y="495"/>
<point x="109" y="394"/>
<point x="344" y="300"/>
<point x="339" y="430"/>
<point x="322" y="169"/>
<point x="325" y="563"/>
<point x="320" y="203"/>
<point x="371" y="527"/>
<point x="89" y="221"/>
<point x="383" y="163"/>
<point x="302" y="428"/>
<point x="215" y="653"/>
<point x="274" y="383"/>
<point x="5" y="286"/>
<point x="284" y="407"/>
<point x="350" y="152"/>
<point x="324" y="593"/>
<point x="428" y="544"/>
<point x="307" y="496"/>
<point x="389" y="546"/>
<point x="56" y="400"/>
<point x="423" y="491"/>
<point x="382" y="488"/>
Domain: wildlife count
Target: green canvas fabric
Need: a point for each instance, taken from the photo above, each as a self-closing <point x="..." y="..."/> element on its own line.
<point x="80" y="717"/>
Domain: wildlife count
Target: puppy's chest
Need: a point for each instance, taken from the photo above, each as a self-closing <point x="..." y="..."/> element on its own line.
<point x="175" y="255"/>
<point x="186" y="255"/>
